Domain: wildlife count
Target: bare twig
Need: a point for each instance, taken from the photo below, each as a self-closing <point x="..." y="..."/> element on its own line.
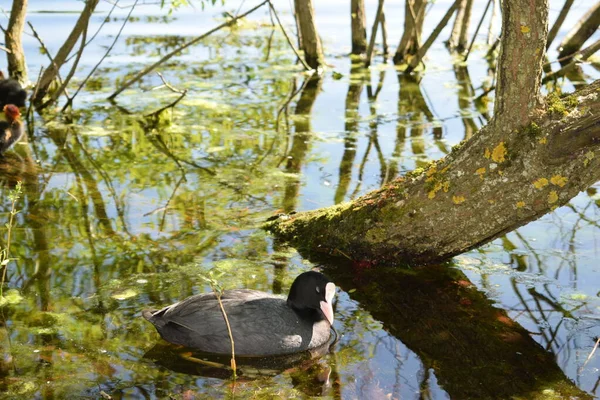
<point x="167" y="57"/>
<point x="477" y="30"/>
<point x="585" y="54"/>
<point x="14" y="196"/>
<point x="70" y="101"/>
<point x="233" y="363"/>
<point x="66" y="81"/>
<point x="59" y="59"/>
<point x="106" y="19"/>
<point x="29" y="119"/>
<point x="492" y="28"/>
<point x="170" y="105"/>
<point x="384" y="34"/>
<point x="374" y="33"/>
<point x="218" y="291"/>
<point x="558" y="23"/>
<point x="288" y="38"/>
<point x="169" y="86"/>
<point x="591" y="354"/>
<point x="47" y="52"/>
<point x="182" y="93"/>
<point x="414" y="20"/>
<point x="422" y="50"/>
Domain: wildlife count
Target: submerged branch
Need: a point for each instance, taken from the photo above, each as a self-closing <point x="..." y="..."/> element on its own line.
<point x="304" y="64"/>
<point x="378" y="20"/>
<point x="87" y="78"/>
<point x="52" y="71"/>
<point x="438" y="29"/>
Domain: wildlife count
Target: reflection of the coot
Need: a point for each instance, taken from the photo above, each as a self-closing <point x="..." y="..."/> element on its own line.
<point x="309" y="374"/>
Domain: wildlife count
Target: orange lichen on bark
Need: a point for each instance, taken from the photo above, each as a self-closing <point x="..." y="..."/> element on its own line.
<point x="558" y="180"/>
<point x="540" y="183"/>
<point x="458" y="199"/>
<point x="499" y="153"/>
<point x="480" y="172"/>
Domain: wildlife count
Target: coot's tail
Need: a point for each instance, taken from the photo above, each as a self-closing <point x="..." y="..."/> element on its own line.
<point x="149" y="315"/>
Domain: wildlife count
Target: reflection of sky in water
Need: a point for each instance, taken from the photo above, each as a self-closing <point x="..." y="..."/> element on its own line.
<point x="554" y="292"/>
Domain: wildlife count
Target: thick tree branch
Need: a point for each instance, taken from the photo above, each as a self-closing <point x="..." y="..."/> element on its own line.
<point x="17" y="68"/>
<point x="51" y="72"/>
<point x="492" y="185"/>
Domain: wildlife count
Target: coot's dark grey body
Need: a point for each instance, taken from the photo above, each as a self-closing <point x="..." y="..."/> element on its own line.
<point x="11" y="92"/>
<point x="262" y="324"/>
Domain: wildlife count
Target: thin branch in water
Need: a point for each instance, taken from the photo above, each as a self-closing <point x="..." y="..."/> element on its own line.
<point x="66" y="81"/>
<point x="585" y="54"/>
<point x="14" y="196"/>
<point x="30" y="108"/>
<point x="218" y="291"/>
<point x="288" y="38"/>
<point x="384" y="35"/>
<point x="106" y="19"/>
<point x="178" y="50"/>
<point x="47" y="52"/>
<point x="168" y="86"/>
<point x="374" y="33"/>
<point x="70" y="101"/>
<point x="422" y="50"/>
<point x="477" y="30"/>
<point x="558" y="23"/>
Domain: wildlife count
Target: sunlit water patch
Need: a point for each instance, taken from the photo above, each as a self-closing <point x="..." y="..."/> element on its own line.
<point x="126" y="209"/>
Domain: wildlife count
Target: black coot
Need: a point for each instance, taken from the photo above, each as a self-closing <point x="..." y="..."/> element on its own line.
<point x="11" y="92"/>
<point x="262" y="324"/>
<point x="12" y="129"/>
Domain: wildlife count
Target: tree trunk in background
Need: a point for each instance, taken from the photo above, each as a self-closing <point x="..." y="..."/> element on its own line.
<point x="559" y="21"/>
<point x="413" y="28"/>
<point x="359" y="26"/>
<point x="519" y="72"/>
<point x="582" y="31"/>
<point x="51" y="72"/>
<point x="311" y="43"/>
<point x="17" y="68"/>
<point x="526" y="162"/>
<point x="459" y="39"/>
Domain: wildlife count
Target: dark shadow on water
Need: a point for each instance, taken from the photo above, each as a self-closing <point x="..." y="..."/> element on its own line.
<point x="475" y="350"/>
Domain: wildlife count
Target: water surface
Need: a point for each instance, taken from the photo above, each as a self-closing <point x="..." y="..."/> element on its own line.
<point x="122" y="212"/>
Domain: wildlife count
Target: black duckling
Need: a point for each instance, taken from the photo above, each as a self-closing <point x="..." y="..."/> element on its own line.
<point x="11" y="92"/>
<point x="262" y="324"/>
<point x="12" y="129"/>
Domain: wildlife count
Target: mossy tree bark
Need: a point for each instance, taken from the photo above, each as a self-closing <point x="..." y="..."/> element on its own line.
<point x="532" y="157"/>
<point x="17" y="68"/>
<point x="311" y="43"/>
<point x="359" y="26"/>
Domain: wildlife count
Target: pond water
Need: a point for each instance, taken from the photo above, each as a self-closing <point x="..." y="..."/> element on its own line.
<point x="122" y="212"/>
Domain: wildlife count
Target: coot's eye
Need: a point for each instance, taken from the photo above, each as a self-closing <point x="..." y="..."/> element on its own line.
<point x="318" y="291"/>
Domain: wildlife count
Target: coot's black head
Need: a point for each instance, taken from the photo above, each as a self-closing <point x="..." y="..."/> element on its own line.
<point x="312" y="291"/>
